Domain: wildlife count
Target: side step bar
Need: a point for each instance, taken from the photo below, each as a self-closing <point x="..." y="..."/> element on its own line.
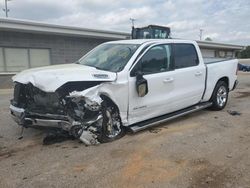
<point x="164" y="118"/>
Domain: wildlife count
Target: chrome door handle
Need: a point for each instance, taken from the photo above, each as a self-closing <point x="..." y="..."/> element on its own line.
<point x="168" y="80"/>
<point x="198" y="73"/>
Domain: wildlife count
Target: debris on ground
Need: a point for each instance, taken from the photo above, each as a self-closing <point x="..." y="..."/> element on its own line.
<point x="56" y="137"/>
<point x="234" y="113"/>
<point x="229" y="156"/>
<point x="154" y="130"/>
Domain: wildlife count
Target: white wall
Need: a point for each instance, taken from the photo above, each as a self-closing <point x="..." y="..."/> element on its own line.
<point x="18" y="59"/>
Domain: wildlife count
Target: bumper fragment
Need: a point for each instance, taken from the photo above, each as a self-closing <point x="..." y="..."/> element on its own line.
<point x="25" y="119"/>
<point x="17" y="114"/>
<point x="20" y="117"/>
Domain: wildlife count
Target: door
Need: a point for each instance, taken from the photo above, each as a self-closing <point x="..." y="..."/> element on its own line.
<point x="156" y="66"/>
<point x="189" y="76"/>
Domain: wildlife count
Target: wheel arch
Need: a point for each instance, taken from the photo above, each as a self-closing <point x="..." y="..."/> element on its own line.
<point x="224" y="79"/>
<point x="109" y="101"/>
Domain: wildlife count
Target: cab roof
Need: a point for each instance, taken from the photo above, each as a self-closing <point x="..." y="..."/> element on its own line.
<point x="144" y="41"/>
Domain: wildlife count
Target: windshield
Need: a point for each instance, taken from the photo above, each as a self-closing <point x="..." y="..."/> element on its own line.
<point x="110" y="57"/>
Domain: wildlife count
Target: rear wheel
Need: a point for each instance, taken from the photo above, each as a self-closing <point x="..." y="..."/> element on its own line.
<point x="112" y="128"/>
<point x="220" y="96"/>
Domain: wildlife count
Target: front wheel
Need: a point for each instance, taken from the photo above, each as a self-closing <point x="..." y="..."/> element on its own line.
<point x="112" y="128"/>
<point x="220" y="96"/>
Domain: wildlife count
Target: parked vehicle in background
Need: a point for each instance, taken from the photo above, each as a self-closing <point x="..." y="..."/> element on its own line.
<point x="151" y="32"/>
<point x="131" y="84"/>
<point x="244" y="68"/>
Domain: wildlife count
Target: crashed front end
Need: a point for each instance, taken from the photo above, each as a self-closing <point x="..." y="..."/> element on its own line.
<point x="76" y="111"/>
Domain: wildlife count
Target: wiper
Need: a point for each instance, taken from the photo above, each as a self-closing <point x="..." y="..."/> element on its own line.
<point x="98" y="68"/>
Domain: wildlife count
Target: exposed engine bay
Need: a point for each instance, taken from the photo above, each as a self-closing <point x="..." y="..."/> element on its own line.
<point x="75" y="107"/>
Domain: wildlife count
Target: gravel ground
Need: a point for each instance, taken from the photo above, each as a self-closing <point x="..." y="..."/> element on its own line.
<point x="204" y="149"/>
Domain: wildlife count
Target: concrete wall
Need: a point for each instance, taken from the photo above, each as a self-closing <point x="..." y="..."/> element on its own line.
<point x="63" y="49"/>
<point x="211" y="52"/>
<point x="244" y="61"/>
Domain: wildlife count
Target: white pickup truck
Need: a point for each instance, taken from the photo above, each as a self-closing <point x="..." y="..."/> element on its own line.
<point x="121" y="85"/>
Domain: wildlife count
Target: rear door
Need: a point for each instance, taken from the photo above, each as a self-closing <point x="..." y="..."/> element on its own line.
<point x="189" y="76"/>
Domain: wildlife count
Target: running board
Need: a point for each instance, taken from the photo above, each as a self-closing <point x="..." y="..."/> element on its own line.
<point x="164" y="118"/>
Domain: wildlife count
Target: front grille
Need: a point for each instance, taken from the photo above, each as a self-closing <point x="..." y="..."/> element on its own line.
<point x="19" y="95"/>
<point x="35" y="100"/>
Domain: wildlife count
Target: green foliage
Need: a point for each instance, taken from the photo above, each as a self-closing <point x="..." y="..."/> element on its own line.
<point x="244" y="53"/>
<point x="208" y="39"/>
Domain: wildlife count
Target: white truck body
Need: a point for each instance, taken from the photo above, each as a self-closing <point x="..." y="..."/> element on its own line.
<point x="168" y="91"/>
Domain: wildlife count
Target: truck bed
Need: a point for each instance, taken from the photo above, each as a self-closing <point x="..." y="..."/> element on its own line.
<point x="215" y="60"/>
<point x="219" y="69"/>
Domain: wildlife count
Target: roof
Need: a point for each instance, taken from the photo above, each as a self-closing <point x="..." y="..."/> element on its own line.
<point x="142" y="41"/>
<point x="209" y="44"/>
<point x="202" y="44"/>
<point x="45" y="28"/>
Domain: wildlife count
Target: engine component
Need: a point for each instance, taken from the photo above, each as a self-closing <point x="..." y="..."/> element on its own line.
<point x="89" y="138"/>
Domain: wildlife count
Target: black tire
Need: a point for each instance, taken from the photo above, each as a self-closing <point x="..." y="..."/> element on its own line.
<point x="220" y="96"/>
<point x="105" y="134"/>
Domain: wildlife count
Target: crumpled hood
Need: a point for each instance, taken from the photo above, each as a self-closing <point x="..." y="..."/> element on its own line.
<point x="50" y="78"/>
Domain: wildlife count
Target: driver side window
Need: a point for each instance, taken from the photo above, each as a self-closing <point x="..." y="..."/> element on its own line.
<point x="155" y="60"/>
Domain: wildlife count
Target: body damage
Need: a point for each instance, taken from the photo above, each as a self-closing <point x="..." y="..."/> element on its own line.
<point x="80" y="113"/>
<point x="95" y="105"/>
<point x="75" y="106"/>
<point x="50" y="78"/>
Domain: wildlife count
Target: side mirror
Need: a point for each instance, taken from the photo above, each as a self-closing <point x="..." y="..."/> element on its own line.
<point x="141" y="84"/>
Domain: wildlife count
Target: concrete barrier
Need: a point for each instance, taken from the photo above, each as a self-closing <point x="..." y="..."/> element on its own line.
<point x="244" y="61"/>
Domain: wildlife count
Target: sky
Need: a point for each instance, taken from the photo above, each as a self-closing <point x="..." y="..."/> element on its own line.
<point x="221" y="20"/>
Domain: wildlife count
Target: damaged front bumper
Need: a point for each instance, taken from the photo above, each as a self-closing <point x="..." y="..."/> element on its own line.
<point x="31" y="120"/>
<point x="85" y="133"/>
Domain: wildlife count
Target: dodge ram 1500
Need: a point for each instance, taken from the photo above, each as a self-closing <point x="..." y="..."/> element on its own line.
<point x="120" y="85"/>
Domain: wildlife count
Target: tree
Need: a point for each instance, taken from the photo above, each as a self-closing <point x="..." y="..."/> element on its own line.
<point x="244" y="53"/>
<point x="208" y="39"/>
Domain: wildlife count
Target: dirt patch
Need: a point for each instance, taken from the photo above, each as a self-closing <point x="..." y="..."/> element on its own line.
<point x="154" y="130"/>
<point x="6" y="152"/>
<point x="79" y="168"/>
<point x="142" y="169"/>
<point x="119" y="153"/>
<point x="206" y="175"/>
<point x="243" y="94"/>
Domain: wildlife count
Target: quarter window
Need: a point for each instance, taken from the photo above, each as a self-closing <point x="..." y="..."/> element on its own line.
<point x="185" y="55"/>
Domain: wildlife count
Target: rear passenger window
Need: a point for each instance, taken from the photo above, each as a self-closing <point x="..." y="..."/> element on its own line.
<point x="185" y="55"/>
